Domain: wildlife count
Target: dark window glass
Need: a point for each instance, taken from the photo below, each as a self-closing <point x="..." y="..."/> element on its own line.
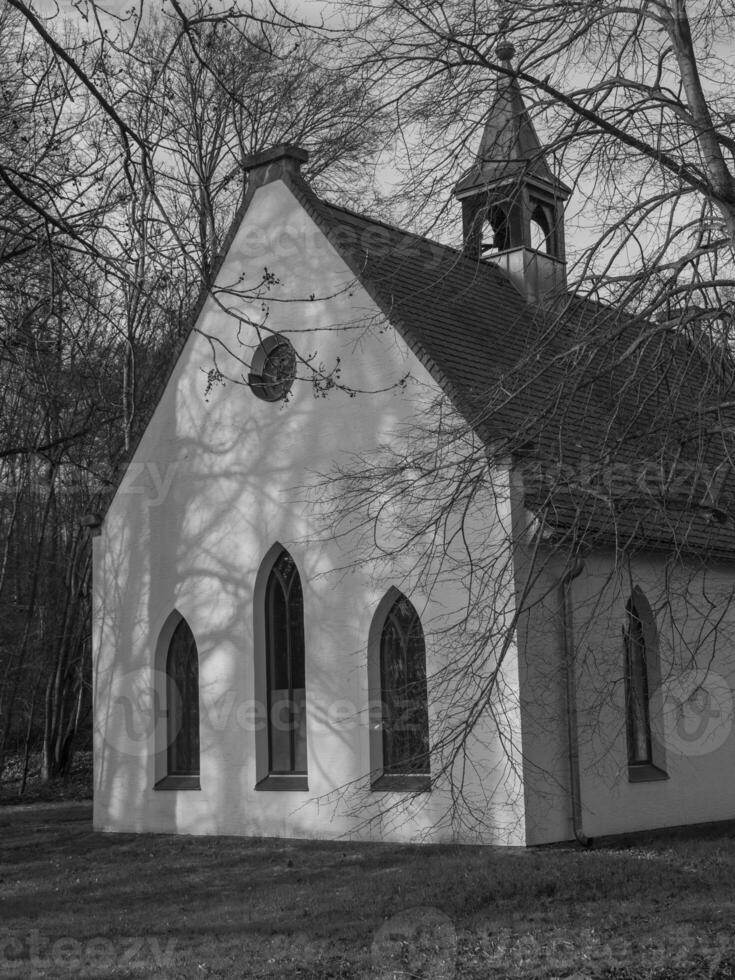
<point x="182" y="699"/>
<point x="636" y="690"/>
<point x="285" y="668"/>
<point x="403" y="690"/>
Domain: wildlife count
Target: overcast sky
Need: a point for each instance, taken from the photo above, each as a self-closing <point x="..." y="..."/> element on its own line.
<point x="308" y="10"/>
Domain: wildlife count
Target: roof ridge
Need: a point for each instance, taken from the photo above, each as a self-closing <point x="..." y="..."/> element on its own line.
<point x="391" y="227"/>
<point x="481" y="341"/>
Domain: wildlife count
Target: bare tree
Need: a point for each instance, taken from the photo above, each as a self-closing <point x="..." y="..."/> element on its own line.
<point x="604" y="424"/>
<point x="633" y="106"/>
<point x="121" y="172"/>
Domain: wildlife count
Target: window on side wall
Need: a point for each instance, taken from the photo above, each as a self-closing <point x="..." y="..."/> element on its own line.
<point x="642" y="678"/>
<point x="404" y="761"/>
<point x="285" y="677"/>
<point x="182" y="711"/>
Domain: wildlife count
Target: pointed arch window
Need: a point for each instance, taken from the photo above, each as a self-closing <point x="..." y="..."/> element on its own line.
<point x="642" y="678"/>
<point x="285" y="669"/>
<point x="182" y="711"/>
<point x="498" y="220"/>
<point x="405" y="717"/>
<point x="540" y="230"/>
<point x="636" y="691"/>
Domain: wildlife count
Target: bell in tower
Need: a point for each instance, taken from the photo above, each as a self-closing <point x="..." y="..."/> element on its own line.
<point x="512" y="204"/>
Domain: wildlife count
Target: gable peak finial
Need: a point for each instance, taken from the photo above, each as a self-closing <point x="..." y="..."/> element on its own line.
<point x="505" y="51"/>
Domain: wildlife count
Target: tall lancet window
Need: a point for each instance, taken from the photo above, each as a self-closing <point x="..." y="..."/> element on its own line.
<point x="643" y="709"/>
<point x="285" y="665"/>
<point x="636" y="690"/>
<point x="182" y="703"/>
<point x="403" y="690"/>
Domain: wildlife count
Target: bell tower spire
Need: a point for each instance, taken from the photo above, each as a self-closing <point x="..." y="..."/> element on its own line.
<point x="512" y="204"/>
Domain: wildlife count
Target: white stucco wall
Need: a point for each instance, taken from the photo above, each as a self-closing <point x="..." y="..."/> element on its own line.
<point x="693" y="741"/>
<point x="214" y="484"/>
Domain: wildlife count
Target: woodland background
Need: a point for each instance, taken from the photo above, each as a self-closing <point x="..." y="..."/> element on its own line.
<point x="122" y="138"/>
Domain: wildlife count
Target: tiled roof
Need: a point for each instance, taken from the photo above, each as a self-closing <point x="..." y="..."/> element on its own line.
<point x="580" y="395"/>
<point x="613" y="420"/>
<point x="440" y="300"/>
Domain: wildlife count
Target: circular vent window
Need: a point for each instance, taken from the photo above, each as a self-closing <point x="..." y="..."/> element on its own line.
<point x="273" y="369"/>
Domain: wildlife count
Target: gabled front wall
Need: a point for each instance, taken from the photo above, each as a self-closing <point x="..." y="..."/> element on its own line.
<point x="218" y="480"/>
<point x="691" y="675"/>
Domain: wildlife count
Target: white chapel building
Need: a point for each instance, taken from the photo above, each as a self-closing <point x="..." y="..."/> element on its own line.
<point x="551" y="662"/>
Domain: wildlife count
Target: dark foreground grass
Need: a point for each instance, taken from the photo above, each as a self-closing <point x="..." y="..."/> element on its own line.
<point x="80" y="904"/>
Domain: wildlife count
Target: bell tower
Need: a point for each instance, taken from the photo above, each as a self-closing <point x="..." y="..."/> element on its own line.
<point x="512" y="204"/>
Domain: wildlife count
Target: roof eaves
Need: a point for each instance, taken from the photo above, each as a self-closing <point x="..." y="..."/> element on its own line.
<point x="320" y="212"/>
<point x="165" y="376"/>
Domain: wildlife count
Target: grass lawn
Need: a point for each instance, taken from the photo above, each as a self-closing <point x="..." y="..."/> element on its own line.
<point x="80" y="904"/>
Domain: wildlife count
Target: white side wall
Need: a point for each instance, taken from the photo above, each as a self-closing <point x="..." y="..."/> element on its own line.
<point x="215" y="482"/>
<point x="691" y="703"/>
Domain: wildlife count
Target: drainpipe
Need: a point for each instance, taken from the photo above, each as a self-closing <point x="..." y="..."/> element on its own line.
<point x="571" y="699"/>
